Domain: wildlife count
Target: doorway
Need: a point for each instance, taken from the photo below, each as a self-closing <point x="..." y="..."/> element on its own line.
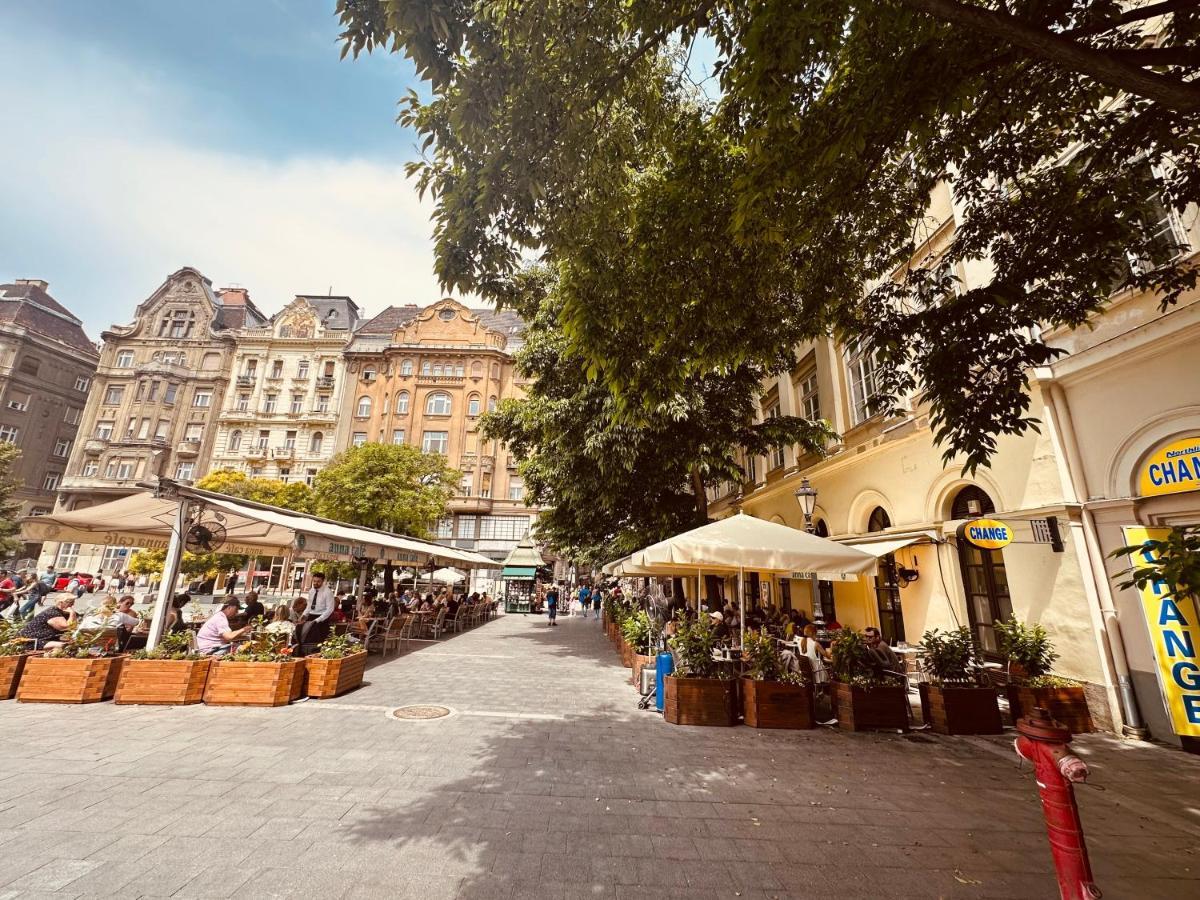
<point x="984" y="577"/>
<point x="887" y="585"/>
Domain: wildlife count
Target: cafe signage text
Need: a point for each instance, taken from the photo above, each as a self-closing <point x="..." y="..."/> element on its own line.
<point x="987" y="534"/>
<point x="1171" y="469"/>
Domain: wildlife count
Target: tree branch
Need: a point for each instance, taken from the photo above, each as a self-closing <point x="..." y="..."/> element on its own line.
<point x="1064" y="52"/>
<point x="1137" y="14"/>
<point x="1158" y="56"/>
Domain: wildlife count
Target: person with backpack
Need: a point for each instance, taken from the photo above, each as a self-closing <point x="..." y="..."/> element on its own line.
<point x="597" y="599"/>
<point x="585" y="594"/>
<point x="552" y="605"/>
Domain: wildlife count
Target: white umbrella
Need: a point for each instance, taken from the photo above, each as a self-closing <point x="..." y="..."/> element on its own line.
<point x="448" y="576"/>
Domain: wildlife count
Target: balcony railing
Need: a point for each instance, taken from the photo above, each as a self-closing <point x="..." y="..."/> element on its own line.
<point x="441" y="379"/>
<point x="325" y="381"/>
<point x="188" y="448"/>
<point x="256" y="452"/>
<point x="283" y="452"/>
<point x="94" y="445"/>
<point x="246" y="380"/>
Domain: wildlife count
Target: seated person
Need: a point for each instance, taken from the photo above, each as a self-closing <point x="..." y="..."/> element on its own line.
<point x="216" y="635"/>
<point x="298" y="607"/>
<point x="98" y="618"/>
<point x="281" y="622"/>
<point x="452" y="607"/>
<point x="129" y="627"/>
<point x="346" y="602"/>
<point x="46" y="630"/>
<point x="881" y="656"/>
<point x="720" y="626"/>
<point x="254" y="609"/>
<point x="175" y="613"/>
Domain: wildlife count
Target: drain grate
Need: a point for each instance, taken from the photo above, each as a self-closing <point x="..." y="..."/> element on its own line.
<point x="420" y="712"/>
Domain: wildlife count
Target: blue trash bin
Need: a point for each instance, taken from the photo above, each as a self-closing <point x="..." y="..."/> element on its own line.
<point x="662" y="668"/>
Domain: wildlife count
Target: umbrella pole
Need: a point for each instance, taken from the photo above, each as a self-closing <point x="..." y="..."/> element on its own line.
<point x="166" y="587"/>
<point x="742" y="606"/>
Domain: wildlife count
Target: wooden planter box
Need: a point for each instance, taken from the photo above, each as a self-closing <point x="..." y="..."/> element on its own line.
<point x="960" y="709"/>
<point x="867" y="709"/>
<point x="775" y="704"/>
<point x="331" y="677"/>
<point x="11" y="668"/>
<point x="700" y="701"/>
<point x="89" y="680"/>
<point x="255" y="683"/>
<point x="1066" y="704"/>
<point x="164" y="682"/>
<point x="626" y="654"/>
<point x="640" y="662"/>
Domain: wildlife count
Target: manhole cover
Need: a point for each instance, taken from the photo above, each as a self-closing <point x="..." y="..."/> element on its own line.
<point x="420" y="712"/>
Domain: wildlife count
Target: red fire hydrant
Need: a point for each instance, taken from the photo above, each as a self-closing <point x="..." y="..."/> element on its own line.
<point x="1045" y="743"/>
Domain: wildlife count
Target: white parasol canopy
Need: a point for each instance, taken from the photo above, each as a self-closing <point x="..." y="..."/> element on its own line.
<point x="448" y="576"/>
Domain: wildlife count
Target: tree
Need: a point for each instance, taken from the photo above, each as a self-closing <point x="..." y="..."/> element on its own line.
<point x="571" y="129"/>
<point x="292" y="495"/>
<point x="151" y="563"/>
<point x="10" y="509"/>
<point x="391" y="487"/>
<point x="611" y="484"/>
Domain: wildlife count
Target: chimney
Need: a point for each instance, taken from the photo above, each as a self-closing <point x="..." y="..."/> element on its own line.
<point x="234" y="296"/>
<point x="35" y="282"/>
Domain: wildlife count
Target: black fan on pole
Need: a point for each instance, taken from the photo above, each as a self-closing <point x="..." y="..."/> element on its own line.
<point x="204" y="537"/>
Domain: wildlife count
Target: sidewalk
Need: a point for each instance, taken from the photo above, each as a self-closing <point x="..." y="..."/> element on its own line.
<point x="545" y="781"/>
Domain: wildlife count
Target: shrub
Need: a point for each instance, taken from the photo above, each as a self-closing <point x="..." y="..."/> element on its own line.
<point x="949" y="655"/>
<point x="263" y="647"/>
<point x="764" y="662"/>
<point x="693" y="644"/>
<point x="1028" y="646"/>
<point x="175" y="645"/>
<point x="852" y="663"/>
<point x="338" y="646"/>
<point x="80" y="644"/>
<point x="639" y="629"/>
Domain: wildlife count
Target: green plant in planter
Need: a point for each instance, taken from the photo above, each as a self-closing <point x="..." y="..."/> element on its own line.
<point x="851" y="662"/>
<point x="949" y="655"/>
<point x="639" y="629"/>
<point x="764" y="662"/>
<point x="263" y="647"/>
<point x="1030" y="654"/>
<point x="84" y="643"/>
<point x="338" y="646"/>
<point x="693" y="644"/>
<point x="10" y="643"/>
<point x="171" y="646"/>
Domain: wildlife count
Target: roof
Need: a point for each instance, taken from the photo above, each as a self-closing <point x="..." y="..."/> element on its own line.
<point x="347" y="312"/>
<point x="507" y="322"/>
<point x="26" y="304"/>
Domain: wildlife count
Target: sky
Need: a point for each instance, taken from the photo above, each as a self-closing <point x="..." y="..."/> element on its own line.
<point x="141" y="136"/>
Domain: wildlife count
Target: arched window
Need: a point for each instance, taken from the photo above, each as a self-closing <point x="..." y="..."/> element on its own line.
<point x="477" y="369"/>
<point x="314" y="443"/>
<point x="473" y="403"/>
<point x="985" y="579"/>
<point x="437" y="369"/>
<point x="406" y="367"/>
<point x="402" y="403"/>
<point x="363" y="409"/>
<point x="235" y="440"/>
<point x="368" y="374"/>
<point x="426" y="367"/>
<point x="437" y="404"/>
<point x="491" y="404"/>
<point x="887" y="585"/>
<point x="458" y="370"/>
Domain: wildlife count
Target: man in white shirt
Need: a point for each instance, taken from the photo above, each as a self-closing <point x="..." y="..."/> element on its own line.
<point x="314" y="626"/>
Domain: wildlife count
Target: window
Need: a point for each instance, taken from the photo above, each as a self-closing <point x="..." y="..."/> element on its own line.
<point x="144" y="430"/>
<point x="516" y="489"/>
<point x="314" y="442"/>
<point x="426" y="368"/>
<point x="152" y="394"/>
<point x="114" y="394"/>
<point x="164" y="428"/>
<point x="171" y="392"/>
<point x="503" y="528"/>
<point x="183" y="471"/>
<point x="125" y="359"/>
<point x="436" y="442"/>
<point x="887" y="585"/>
<point x="302" y="369"/>
<point x="8" y="434"/>
<point x="473" y="403"/>
<point x="202" y="399"/>
<point x="459" y="371"/>
<point x="114" y="559"/>
<point x="141" y="391"/>
<point x="491" y="404"/>
<point x="437" y="370"/>
<point x="310" y="477"/>
<point x="775" y="455"/>
<point x="194" y="432"/>
<point x="466" y="527"/>
<point x="122" y="470"/>
<point x="402" y="403"/>
<point x="284" y="474"/>
<point x="363" y="408"/>
<point x="985" y="579"/>
<point x="174" y="358"/>
<point x="358" y="438"/>
<point x="810" y="400"/>
<point x="29" y="366"/>
<point x="752" y="469"/>
<point x="50" y="482"/>
<point x="264" y="438"/>
<point x="322" y="403"/>
<point x="72" y="415"/>
<point x="62" y="447"/>
<point x="368" y="374"/>
<point x="68" y="556"/>
<point x="235" y="440"/>
<point x="398" y="436"/>
<point x="243" y="402"/>
<point x="406" y="367"/>
<point x="289" y="440"/>
<point x="437" y="404"/>
<point x="82" y="384"/>
<point x="329" y="369"/>
<point x="464" y="488"/>
<point x="90" y="469"/>
<point x="445" y="528"/>
<point x="277" y="369"/>
<point x="251" y="368"/>
<point x="269" y="401"/>
<point x="18" y="402"/>
<point x="297" y="403"/>
<point x="104" y="430"/>
<point x="863" y="367"/>
<point x="477" y="369"/>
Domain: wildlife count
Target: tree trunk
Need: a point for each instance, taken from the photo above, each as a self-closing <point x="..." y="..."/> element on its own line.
<point x="389" y="584"/>
<point x="699" y="495"/>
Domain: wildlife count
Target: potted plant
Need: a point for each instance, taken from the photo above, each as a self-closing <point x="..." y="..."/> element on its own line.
<point x="772" y="696"/>
<point x="954" y="701"/>
<point x="1030" y="656"/>
<point x="84" y="670"/>
<point x="640" y="633"/>
<point x="262" y="672"/>
<point x="13" y="653"/>
<point x="700" y="692"/>
<point x="336" y="667"/>
<point x="863" y="697"/>
<point x="171" y="674"/>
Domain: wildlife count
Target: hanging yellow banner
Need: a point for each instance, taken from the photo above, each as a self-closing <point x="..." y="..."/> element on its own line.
<point x="1174" y="625"/>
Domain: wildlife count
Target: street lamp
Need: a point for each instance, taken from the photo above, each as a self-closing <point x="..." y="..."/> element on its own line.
<point x="806" y="496"/>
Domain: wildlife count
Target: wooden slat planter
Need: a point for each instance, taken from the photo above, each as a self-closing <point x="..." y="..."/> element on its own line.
<point x="50" y="680"/>
<point x="11" y="668"/>
<point x="331" y="677"/>
<point x="867" y="709"/>
<point x="236" y="683"/>
<point x="700" y="701"/>
<point x="626" y="654"/>
<point x="960" y="709"/>
<point x="640" y="662"/>
<point x="163" y="682"/>
<point x="775" y="704"/>
<point x="1066" y="704"/>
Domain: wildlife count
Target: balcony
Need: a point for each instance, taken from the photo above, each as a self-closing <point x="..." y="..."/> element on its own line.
<point x="441" y="379"/>
<point x="325" y="382"/>
<point x="187" y="448"/>
<point x="245" y="380"/>
<point x="283" y="452"/>
<point x="471" y="504"/>
<point x="487" y="463"/>
<point x="162" y="368"/>
<point x="467" y="461"/>
<point x="320" y="415"/>
<point x="93" y="446"/>
<point x="275" y="376"/>
<point x="256" y="452"/>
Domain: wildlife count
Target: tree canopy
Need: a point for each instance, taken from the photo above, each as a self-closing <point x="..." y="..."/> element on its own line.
<point x="693" y="233"/>
<point x="10" y="528"/>
<point x="294" y="495"/>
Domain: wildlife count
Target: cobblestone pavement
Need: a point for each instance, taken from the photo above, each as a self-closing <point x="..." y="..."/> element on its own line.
<point x="547" y="782"/>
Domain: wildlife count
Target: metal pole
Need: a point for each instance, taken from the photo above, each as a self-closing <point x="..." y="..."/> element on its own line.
<point x="742" y="605"/>
<point x="166" y="588"/>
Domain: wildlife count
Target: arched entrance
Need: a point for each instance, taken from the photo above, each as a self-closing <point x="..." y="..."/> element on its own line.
<point x="984" y="577"/>
<point x="887" y="585"/>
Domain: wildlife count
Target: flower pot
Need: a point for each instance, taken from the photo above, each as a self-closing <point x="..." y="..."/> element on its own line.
<point x="960" y="709"/>
<point x="700" y="701"/>
<point x="242" y="683"/>
<point x="11" y="668"/>
<point x="777" y="704"/>
<point x="164" y="682"/>
<point x="54" y="680"/>
<point x="331" y="677"/>
<point x="640" y="662"/>
<point x="626" y="654"/>
<point x="866" y="709"/>
<point x="1066" y="704"/>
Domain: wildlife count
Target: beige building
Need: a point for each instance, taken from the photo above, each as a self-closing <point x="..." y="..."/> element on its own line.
<point x="151" y="408"/>
<point x="1128" y="390"/>
<point x="46" y="368"/>
<point x="279" y="414"/>
<point x="423" y="376"/>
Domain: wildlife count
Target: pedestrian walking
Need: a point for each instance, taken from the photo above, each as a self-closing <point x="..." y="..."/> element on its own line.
<point x="585" y="596"/>
<point x="552" y="606"/>
<point x="597" y="599"/>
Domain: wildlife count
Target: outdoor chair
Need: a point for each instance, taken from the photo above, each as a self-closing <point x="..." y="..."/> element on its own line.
<point x="394" y="634"/>
<point x="375" y="635"/>
<point x="461" y="620"/>
<point x="438" y="626"/>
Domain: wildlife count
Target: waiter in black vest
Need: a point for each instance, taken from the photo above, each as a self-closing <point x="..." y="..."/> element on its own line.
<point x="314" y="626"/>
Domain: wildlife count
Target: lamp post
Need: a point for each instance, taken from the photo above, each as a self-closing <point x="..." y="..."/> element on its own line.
<point x="806" y="496"/>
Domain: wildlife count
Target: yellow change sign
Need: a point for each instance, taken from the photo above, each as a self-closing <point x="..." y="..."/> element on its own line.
<point x="1172" y="469"/>
<point x="1174" y="624"/>
<point x="987" y="534"/>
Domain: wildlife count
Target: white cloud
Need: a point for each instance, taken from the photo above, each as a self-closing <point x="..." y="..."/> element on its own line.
<point x="109" y="185"/>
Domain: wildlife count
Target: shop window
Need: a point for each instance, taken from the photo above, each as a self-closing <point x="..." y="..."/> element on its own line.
<point x="985" y="579"/>
<point x="887" y="585"/>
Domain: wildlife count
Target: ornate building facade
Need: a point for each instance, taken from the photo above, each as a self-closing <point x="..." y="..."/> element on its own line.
<point x="424" y="376"/>
<point x="279" y="415"/>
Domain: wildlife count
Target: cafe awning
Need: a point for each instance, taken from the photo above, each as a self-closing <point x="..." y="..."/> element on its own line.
<point x="519" y="572"/>
<point x="881" y="545"/>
